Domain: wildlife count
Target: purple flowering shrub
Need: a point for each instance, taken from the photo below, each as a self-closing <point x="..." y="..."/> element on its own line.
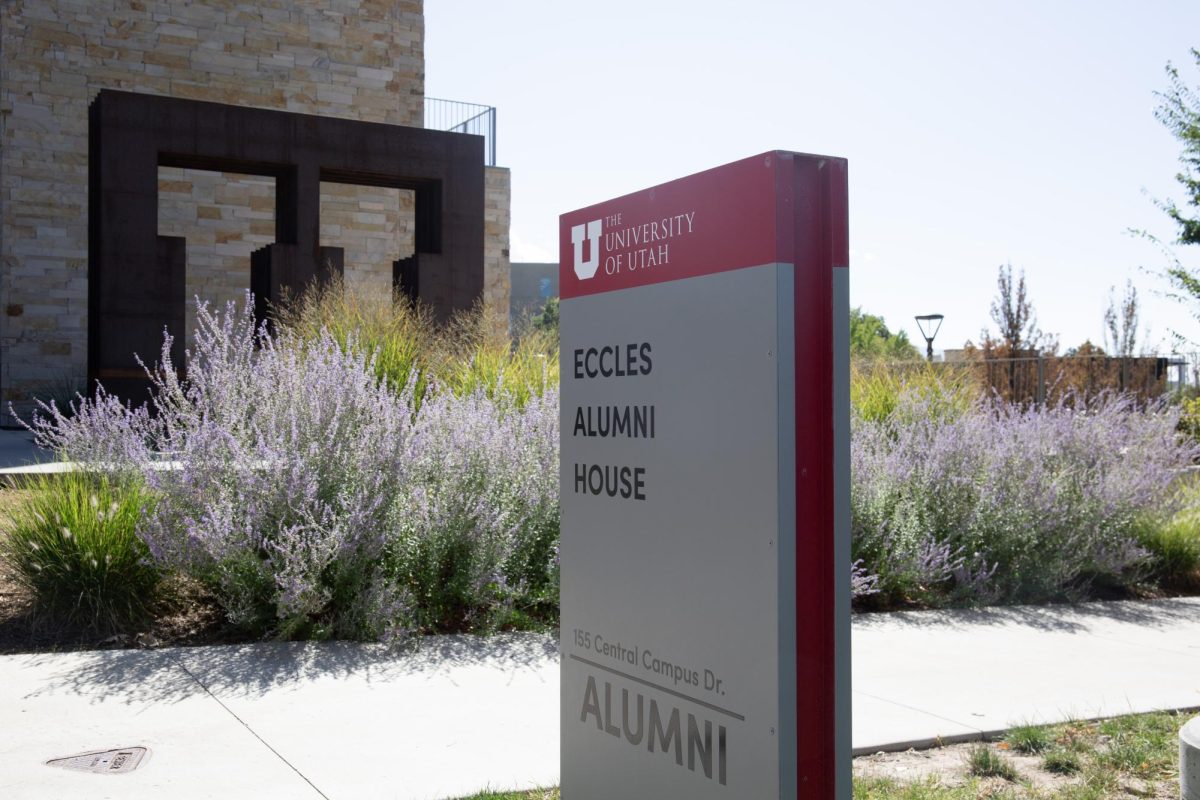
<point x="315" y="499"/>
<point x="478" y="519"/>
<point x="318" y="499"/>
<point x="1006" y="503"/>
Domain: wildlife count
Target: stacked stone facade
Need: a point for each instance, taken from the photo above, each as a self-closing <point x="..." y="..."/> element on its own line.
<point x="355" y="59"/>
<point x="225" y="217"/>
<point x="497" y="281"/>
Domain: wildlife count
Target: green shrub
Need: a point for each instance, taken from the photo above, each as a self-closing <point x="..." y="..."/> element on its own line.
<point x="547" y="318"/>
<point x="1189" y="418"/>
<point x="73" y="545"/>
<point x="460" y="580"/>
<point x="445" y="571"/>
<point x="476" y="534"/>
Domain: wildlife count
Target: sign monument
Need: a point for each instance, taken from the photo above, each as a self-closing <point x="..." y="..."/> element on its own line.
<point x="705" y="487"/>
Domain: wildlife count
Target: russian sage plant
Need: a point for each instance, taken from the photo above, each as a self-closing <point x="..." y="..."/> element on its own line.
<point x="314" y="497"/>
<point x="1009" y="504"/>
<point x="478" y="521"/>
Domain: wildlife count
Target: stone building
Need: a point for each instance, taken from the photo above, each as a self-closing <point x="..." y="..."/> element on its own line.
<point x="360" y="60"/>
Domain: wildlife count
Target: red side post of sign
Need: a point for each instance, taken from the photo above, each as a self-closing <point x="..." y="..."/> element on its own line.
<point x="819" y="248"/>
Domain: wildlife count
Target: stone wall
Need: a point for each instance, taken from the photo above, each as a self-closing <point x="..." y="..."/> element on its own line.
<point x="374" y="226"/>
<point x="225" y="217"/>
<point x="497" y="186"/>
<point x="357" y="59"/>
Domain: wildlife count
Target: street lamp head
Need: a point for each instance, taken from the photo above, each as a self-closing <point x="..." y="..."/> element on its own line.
<point x="927" y="323"/>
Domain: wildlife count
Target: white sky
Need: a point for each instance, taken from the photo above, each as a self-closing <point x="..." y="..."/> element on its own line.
<point x="977" y="134"/>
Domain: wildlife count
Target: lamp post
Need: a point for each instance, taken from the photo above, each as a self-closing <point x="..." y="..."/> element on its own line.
<point x="929" y="321"/>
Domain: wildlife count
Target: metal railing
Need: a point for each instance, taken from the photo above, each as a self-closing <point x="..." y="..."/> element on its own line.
<point x="1045" y="378"/>
<point x="458" y="117"/>
<point x="1040" y="379"/>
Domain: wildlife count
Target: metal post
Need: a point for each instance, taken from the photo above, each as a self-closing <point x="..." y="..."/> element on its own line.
<point x="1041" y="377"/>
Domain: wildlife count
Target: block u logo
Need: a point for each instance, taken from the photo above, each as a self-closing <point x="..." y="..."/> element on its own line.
<point x="586" y="268"/>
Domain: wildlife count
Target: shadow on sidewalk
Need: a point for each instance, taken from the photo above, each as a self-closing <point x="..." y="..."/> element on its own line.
<point x="174" y="674"/>
<point x="1076" y="618"/>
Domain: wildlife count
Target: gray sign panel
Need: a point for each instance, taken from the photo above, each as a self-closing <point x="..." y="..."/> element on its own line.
<point x="676" y="471"/>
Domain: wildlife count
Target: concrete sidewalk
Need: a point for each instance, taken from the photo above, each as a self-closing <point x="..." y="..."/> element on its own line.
<point x="355" y="721"/>
<point x="951" y="675"/>
<point x="17" y="450"/>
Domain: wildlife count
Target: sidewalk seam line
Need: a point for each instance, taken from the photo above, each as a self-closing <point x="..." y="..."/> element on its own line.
<point x="974" y="728"/>
<point x="253" y="732"/>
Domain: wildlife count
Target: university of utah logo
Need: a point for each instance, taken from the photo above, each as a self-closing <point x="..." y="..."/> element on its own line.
<point x="586" y="268"/>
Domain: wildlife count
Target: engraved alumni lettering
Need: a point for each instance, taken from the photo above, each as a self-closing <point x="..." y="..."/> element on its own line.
<point x="663" y="734"/>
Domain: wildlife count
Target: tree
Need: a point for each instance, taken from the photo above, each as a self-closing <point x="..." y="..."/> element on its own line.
<point x="1086" y="350"/>
<point x="871" y="339"/>
<point x="1120" y="325"/>
<point x="1179" y="111"/>
<point x="546" y="319"/>
<point x="1019" y="339"/>
<point x="1014" y="316"/>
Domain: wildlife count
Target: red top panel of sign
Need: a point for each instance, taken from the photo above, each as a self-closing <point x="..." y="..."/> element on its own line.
<point x="714" y="221"/>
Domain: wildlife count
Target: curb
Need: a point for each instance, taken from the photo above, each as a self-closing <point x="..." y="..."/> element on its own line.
<point x="20" y="477"/>
<point x="1189" y="760"/>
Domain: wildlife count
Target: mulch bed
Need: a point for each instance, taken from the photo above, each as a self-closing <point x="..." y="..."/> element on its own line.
<point x="192" y="619"/>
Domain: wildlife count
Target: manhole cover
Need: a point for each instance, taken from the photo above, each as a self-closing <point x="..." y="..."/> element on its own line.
<point x="127" y="759"/>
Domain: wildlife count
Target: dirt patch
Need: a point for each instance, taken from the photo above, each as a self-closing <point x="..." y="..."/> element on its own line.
<point x="191" y="617"/>
<point x="948" y="767"/>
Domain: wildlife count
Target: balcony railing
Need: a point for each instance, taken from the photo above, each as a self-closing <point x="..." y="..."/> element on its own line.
<point x="451" y="115"/>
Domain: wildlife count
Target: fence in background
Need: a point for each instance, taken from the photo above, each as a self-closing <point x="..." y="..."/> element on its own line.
<point x="459" y="117"/>
<point x="1042" y="379"/>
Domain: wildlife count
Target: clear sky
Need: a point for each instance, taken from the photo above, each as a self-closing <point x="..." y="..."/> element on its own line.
<point x="977" y="133"/>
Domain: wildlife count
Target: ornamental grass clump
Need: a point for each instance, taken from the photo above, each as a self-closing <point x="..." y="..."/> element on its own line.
<point x="74" y="547"/>
<point x="316" y="498"/>
<point x="880" y="390"/>
<point x="984" y="762"/>
<point x="1172" y="537"/>
<point x="1007" y="503"/>
<point x="398" y="338"/>
<point x="472" y="351"/>
<point x="477" y="358"/>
